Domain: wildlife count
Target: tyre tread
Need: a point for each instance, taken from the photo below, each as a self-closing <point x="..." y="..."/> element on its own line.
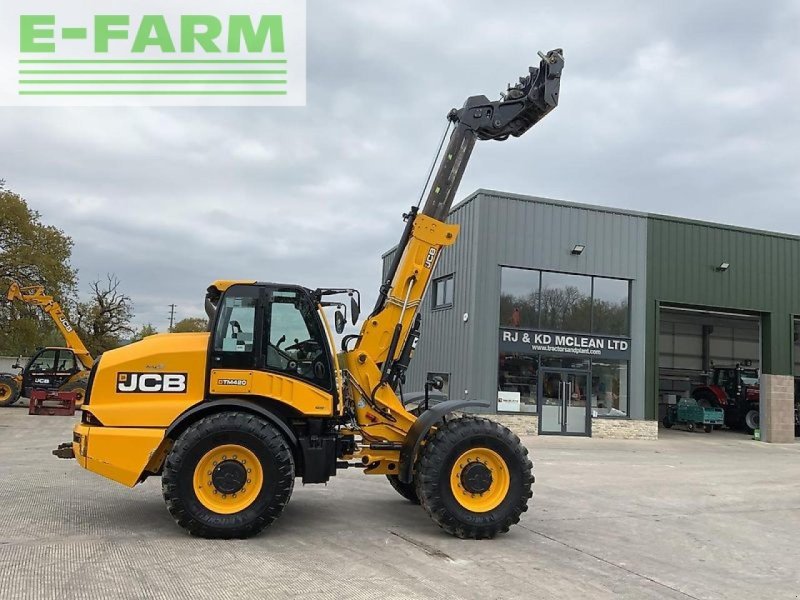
<point x="227" y="421"/>
<point x="433" y="461"/>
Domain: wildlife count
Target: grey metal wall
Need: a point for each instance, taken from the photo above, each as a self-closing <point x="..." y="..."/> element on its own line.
<point x="523" y="231"/>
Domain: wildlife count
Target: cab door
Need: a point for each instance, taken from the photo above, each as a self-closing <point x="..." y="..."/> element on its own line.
<point x="236" y="343"/>
<point x="41" y="371"/>
<point x="66" y="366"/>
<point x="295" y="342"/>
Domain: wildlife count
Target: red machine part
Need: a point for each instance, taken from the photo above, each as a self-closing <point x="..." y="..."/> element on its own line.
<point x="52" y="403"/>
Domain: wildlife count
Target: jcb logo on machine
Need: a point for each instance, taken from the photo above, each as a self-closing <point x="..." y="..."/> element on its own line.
<point x="65" y="323"/>
<point x="151" y="383"/>
<point x="430" y="257"/>
<point x="239" y="382"/>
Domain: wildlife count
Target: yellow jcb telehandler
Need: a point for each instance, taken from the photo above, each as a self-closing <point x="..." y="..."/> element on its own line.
<point x="53" y="368"/>
<point x="230" y="417"/>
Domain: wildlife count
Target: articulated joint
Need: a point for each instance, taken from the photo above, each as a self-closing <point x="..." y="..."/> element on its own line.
<point x="434" y="232"/>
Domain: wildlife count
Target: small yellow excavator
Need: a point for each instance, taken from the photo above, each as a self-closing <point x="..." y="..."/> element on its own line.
<point x="53" y="368"/>
<point x="230" y="417"/>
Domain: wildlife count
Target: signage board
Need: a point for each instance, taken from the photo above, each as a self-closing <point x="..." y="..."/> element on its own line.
<point x="528" y="341"/>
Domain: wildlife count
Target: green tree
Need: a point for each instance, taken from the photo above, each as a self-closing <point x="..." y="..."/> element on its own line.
<point x="145" y="331"/>
<point x="30" y="253"/>
<point x="104" y="321"/>
<point x="191" y="324"/>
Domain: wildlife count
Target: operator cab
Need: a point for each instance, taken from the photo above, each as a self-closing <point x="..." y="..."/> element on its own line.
<point x="735" y="379"/>
<point x="49" y="369"/>
<point x="269" y="327"/>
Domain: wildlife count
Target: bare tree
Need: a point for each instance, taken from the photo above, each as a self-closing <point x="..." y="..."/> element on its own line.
<point x="105" y="320"/>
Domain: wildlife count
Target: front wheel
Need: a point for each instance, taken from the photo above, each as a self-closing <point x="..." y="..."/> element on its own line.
<point x="228" y="476"/>
<point x="474" y="478"/>
<point x="79" y="387"/>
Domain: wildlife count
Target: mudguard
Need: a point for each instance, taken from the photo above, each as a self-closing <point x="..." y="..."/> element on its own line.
<point x="209" y="407"/>
<point x="420" y="428"/>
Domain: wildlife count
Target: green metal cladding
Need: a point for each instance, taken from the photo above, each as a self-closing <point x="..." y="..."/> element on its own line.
<point x="683" y="259"/>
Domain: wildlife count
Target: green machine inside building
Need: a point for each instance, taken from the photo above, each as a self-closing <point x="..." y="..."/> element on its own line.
<point x="573" y="319"/>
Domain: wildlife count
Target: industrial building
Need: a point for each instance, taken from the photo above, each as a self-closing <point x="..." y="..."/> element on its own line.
<point x="572" y="319"/>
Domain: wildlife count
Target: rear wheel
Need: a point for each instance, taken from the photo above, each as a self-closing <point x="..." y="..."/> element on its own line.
<point x="9" y="391"/>
<point x="228" y="476"/>
<point x="751" y="420"/>
<point x="474" y="478"/>
<point x="406" y="490"/>
<point x="79" y="387"/>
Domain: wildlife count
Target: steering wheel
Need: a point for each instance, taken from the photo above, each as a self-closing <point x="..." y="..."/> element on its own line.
<point x="304" y="345"/>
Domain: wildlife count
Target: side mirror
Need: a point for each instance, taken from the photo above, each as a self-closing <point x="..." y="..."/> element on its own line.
<point x="436" y="383"/>
<point x="355" y="309"/>
<point x="339" y="321"/>
<point x="18" y="363"/>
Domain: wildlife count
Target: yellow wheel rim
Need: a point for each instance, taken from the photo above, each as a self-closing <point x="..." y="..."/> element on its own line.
<point x="5" y="391"/>
<point x="480" y="480"/>
<point x="228" y="479"/>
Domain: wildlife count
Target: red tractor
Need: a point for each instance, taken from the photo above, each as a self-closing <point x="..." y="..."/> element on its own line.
<point x="735" y="390"/>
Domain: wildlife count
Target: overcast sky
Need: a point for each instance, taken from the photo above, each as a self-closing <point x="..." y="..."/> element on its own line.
<point x="686" y="108"/>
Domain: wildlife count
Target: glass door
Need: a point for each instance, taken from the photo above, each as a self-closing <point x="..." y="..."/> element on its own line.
<point x="564" y="407"/>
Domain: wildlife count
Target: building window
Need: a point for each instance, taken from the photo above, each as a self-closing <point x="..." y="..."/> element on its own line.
<point x="610" y="306"/>
<point x="516" y="383"/>
<point x="519" y="298"/>
<point x="445" y="377"/>
<point x="551" y="301"/>
<point x="566" y="302"/>
<point x="609" y="388"/>
<point x="443" y="292"/>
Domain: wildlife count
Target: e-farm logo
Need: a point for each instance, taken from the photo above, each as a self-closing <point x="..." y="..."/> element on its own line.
<point x="148" y="52"/>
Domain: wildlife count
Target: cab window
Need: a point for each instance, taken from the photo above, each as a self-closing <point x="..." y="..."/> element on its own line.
<point x="66" y="362"/>
<point x="45" y="361"/>
<point x="236" y="324"/>
<point x="295" y="343"/>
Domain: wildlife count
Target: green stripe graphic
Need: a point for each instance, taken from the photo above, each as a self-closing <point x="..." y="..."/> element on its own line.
<point x="153" y="93"/>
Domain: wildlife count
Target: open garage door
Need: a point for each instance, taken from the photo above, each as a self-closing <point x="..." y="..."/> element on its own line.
<point x="712" y="357"/>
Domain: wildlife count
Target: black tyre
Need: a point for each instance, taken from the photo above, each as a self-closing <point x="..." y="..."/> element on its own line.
<point x="228" y="476"/>
<point x="751" y="420"/>
<point x="9" y="391"/>
<point x="667" y="422"/>
<point x="406" y="490"/>
<point x="690" y="426"/>
<point x="79" y="387"/>
<point x="708" y="428"/>
<point x="474" y="478"/>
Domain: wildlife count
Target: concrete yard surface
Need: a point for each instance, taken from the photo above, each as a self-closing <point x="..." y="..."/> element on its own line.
<point x="692" y="515"/>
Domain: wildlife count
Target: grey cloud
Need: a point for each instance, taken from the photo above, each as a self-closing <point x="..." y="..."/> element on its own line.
<point x="687" y="108"/>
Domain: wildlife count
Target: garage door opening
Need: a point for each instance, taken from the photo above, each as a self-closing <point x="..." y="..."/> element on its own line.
<point x="712" y="360"/>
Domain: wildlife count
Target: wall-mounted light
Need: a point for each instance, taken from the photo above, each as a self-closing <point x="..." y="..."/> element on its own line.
<point x="724" y="266"/>
<point x="578" y="249"/>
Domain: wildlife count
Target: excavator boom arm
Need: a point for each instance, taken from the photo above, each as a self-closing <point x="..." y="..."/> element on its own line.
<point x="35" y="296"/>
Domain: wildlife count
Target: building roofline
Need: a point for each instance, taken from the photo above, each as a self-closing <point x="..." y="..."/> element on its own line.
<point x="628" y="212"/>
<point x="610" y="210"/>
